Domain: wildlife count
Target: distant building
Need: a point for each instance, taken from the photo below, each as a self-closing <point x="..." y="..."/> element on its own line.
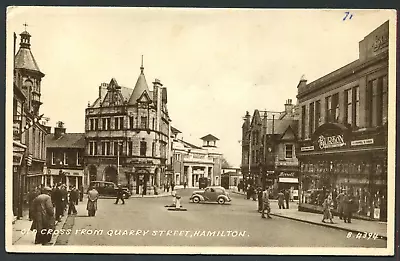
<point x="343" y="130"/>
<point x="65" y="158"/>
<point x="128" y="135"/>
<point x="233" y="176"/>
<point x="191" y="162"/>
<point x="269" y="149"/>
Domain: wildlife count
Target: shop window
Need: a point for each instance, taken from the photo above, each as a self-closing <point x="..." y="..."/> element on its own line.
<point x="289" y="151"/>
<point x="119" y="123"/>
<point x="143" y="148"/>
<point x="53" y="158"/>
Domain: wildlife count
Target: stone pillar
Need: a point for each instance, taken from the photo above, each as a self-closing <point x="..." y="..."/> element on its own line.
<point x="67" y="181"/>
<point x="76" y="181"/>
<point x="211" y="177"/>
<point x="43" y="179"/>
<point x="51" y="180"/>
<point x="189" y="175"/>
<point x="206" y="172"/>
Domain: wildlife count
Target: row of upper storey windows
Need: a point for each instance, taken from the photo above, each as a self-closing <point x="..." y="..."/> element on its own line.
<point x="119" y="148"/>
<point x="118" y="123"/>
<point x="345" y="108"/>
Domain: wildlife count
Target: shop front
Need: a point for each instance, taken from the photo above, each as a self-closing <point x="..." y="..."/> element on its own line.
<point x="18" y="155"/>
<point x="337" y="160"/>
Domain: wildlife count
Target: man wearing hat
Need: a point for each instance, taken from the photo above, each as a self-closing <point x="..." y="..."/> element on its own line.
<point x="43" y="217"/>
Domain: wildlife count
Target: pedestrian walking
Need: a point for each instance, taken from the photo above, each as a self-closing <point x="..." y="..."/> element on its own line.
<point x="64" y="193"/>
<point x="184" y="185"/>
<point x="327" y="207"/>
<point x="120" y="195"/>
<point x="265" y="204"/>
<point x="31" y="196"/>
<point x="254" y="193"/>
<point x="340" y="203"/>
<point x="43" y="217"/>
<point x="172" y="186"/>
<point x="57" y="198"/>
<point x="281" y="200"/>
<point x="91" y="207"/>
<point x="347" y="207"/>
<point x="287" y="198"/>
<point x="73" y="198"/>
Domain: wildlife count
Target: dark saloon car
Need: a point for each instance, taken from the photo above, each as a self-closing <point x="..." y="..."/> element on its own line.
<point x="108" y="189"/>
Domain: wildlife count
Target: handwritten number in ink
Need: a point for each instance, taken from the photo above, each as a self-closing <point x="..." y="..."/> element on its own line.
<point x="347" y="15"/>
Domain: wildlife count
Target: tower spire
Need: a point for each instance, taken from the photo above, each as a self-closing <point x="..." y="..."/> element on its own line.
<point x="141" y="67"/>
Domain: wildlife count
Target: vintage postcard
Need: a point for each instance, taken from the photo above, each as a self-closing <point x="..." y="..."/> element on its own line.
<point x="207" y="131"/>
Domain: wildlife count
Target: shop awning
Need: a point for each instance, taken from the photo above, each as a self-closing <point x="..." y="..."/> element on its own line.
<point x="288" y="180"/>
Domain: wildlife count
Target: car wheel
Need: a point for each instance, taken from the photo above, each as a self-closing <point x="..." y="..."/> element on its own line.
<point x="221" y="201"/>
<point x="196" y="200"/>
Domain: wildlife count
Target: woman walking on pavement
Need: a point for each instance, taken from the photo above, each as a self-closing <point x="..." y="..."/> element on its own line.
<point x="281" y="200"/>
<point x="91" y="207"/>
<point x="327" y="206"/>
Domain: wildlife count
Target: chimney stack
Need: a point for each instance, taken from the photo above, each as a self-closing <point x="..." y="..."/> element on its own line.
<point x="59" y="130"/>
<point x="289" y="106"/>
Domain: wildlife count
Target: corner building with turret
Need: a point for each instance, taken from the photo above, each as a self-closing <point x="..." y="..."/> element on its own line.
<point x="128" y="135"/>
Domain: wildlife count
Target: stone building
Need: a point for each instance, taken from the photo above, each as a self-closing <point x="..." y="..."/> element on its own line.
<point x="343" y="131"/>
<point x="28" y="130"/>
<point x="128" y="134"/>
<point x="191" y="162"/>
<point x="65" y="158"/>
<point x="269" y="149"/>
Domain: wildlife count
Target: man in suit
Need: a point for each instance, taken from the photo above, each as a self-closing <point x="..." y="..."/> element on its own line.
<point x="43" y="217"/>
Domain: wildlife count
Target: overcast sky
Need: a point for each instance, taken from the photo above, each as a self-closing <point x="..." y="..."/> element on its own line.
<point x="216" y="63"/>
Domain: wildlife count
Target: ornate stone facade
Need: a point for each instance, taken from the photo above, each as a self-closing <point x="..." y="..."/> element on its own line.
<point x="130" y="127"/>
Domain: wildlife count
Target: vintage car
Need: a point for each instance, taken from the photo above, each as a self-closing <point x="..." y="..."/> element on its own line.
<point x="109" y="189"/>
<point x="211" y="194"/>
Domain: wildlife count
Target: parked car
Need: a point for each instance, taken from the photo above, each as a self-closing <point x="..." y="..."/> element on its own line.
<point x="211" y="194"/>
<point x="109" y="189"/>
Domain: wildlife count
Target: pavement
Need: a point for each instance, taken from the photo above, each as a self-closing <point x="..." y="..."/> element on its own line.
<point x="378" y="229"/>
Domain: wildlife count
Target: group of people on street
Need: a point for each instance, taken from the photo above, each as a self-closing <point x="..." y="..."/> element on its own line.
<point x="284" y="196"/>
<point x="167" y="186"/>
<point x="345" y="207"/>
<point x="47" y="206"/>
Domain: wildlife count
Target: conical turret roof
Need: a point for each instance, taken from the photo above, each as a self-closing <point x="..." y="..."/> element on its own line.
<point x="24" y="58"/>
<point x="140" y="87"/>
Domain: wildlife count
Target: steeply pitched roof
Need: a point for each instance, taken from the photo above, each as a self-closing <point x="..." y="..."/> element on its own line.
<point x="67" y="140"/>
<point x="209" y="137"/>
<point x="140" y="87"/>
<point x="279" y="126"/>
<point x="24" y="60"/>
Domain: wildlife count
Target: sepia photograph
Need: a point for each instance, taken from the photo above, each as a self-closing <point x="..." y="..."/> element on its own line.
<point x="200" y="130"/>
